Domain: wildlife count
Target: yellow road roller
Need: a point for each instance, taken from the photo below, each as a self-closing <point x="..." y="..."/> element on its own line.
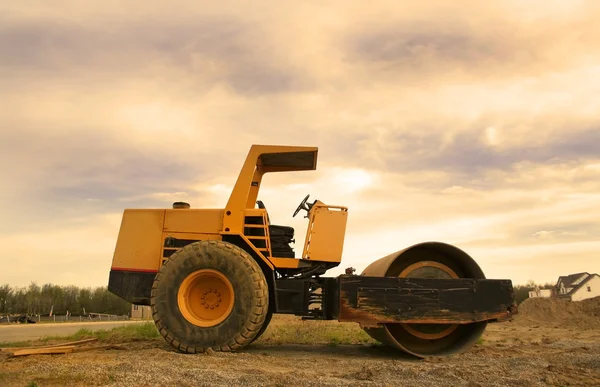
<point x="215" y="277"/>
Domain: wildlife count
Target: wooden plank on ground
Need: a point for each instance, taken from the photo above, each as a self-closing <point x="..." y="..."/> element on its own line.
<point x="12" y="349"/>
<point x="44" y="351"/>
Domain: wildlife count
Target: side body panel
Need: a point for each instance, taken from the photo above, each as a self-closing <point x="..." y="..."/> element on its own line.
<point x="192" y="221"/>
<point x="139" y="244"/>
<point x="142" y="234"/>
<point x="325" y="235"/>
<point x="147" y="237"/>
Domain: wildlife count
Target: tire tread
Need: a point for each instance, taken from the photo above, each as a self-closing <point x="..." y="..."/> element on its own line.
<point x="258" y="312"/>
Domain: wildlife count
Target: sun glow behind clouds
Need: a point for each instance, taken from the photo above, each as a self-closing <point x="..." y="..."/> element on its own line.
<point x="349" y="181"/>
<point x="492" y="136"/>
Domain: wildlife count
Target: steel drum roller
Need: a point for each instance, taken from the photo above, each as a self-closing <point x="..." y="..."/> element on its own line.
<point x="427" y="260"/>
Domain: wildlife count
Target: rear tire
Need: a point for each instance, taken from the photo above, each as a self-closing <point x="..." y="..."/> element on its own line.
<point x="210" y="295"/>
<point x="264" y="327"/>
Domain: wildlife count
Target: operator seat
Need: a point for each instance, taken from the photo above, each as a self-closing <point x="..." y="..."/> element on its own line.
<point x="281" y="237"/>
<point x="274" y="229"/>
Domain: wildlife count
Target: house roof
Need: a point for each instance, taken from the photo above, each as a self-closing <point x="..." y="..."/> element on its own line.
<point x="568" y="280"/>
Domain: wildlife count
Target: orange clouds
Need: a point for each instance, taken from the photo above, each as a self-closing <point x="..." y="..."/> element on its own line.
<point x="475" y="124"/>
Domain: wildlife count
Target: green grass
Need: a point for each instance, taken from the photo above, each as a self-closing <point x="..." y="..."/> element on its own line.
<point x="132" y="332"/>
<point x="282" y="330"/>
<point x="13" y="344"/>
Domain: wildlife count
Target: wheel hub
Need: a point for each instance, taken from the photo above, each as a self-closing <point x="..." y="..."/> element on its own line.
<point x="211" y="298"/>
<point x="205" y="297"/>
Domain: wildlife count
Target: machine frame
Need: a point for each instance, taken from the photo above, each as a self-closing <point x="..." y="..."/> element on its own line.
<point x="149" y="237"/>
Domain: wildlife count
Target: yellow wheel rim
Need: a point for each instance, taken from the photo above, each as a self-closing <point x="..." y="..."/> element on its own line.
<point x="429" y="269"/>
<point x="205" y="298"/>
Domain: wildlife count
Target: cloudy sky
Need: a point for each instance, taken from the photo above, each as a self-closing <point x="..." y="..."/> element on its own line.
<point x="473" y="123"/>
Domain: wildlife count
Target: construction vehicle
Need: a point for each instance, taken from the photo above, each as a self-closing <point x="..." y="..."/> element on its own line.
<point x="215" y="277"/>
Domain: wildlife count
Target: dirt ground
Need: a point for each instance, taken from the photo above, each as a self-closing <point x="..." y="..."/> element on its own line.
<point x="548" y="344"/>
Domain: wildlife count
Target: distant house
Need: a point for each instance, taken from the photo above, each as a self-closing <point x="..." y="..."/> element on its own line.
<point x="540" y="293"/>
<point x="579" y="286"/>
<point x="141" y="312"/>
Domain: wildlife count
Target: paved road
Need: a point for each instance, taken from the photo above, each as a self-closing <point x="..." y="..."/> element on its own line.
<point x="25" y="332"/>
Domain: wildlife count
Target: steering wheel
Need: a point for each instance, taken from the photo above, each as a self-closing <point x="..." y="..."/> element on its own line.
<point x="302" y="206"/>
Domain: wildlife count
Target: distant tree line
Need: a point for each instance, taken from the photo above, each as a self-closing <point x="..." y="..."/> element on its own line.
<point x="522" y="291"/>
<point x="34" y="300"/>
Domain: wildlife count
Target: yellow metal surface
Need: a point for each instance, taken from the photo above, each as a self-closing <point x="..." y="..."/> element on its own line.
<point x="285" y="263"/>
<point x="205" y="298"/>
<point x="141" y="240"/>
<point x="255" y="212"/>
<point x="258" y="251"/>
<point x="254" y="187"/>
<point x="139" y="243"/>
<point x="192" y="236"/>
<point x="263" y="159"/>
<point x="325" y="236"/>
<point x="206" y="221"/>
<point x="263" y="252"/>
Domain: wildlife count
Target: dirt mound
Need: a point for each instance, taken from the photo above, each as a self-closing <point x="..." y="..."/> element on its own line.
<point x="560" y="312"/>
